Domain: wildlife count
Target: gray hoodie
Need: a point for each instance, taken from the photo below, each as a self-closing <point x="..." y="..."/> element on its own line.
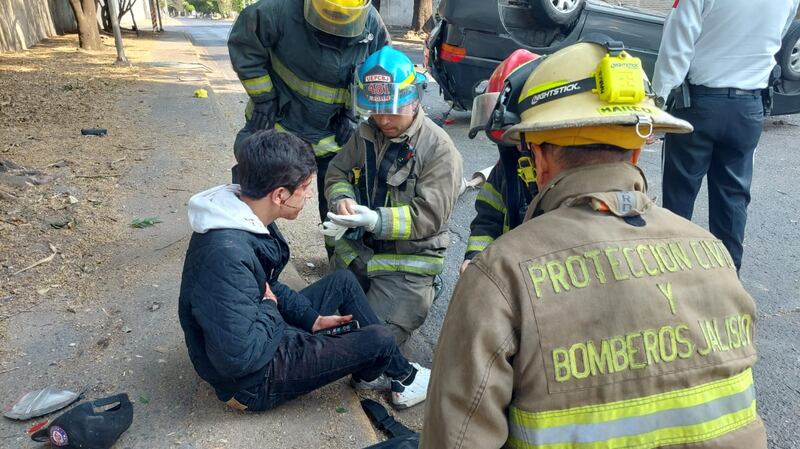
<point x="221" y="208"/>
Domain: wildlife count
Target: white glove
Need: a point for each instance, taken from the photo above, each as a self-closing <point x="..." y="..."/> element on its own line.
<point x="332" y="229"/>
<point x="362" y="216"/>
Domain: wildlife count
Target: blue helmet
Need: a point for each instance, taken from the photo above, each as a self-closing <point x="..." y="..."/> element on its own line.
<point x="386" y="83"/>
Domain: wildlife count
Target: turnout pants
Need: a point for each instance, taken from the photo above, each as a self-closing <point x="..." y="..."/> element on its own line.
<point x="401" y="300"/>
<point x="727" y="126"/>
<point x="304" y="362"/>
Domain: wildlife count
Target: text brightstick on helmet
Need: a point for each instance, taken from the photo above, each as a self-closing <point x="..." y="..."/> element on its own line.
<point x="344" y="18"/>
<point x="585" y="94"/>
<point x="387" y="83"/>
<point x="484" y="106"/>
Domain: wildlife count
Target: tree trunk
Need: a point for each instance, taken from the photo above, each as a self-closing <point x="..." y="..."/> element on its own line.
<point x="88" y="32"/>
<point x="423" y="15"/>
<point x="112" y="10"/>
<point x="106" y="19"/>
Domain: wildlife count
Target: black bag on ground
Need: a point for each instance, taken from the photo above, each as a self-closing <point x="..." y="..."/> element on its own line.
<point x="401" y="436"/>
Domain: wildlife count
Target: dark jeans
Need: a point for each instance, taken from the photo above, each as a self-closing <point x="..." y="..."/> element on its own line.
<point x="305" y="362"/>
<point x="726" y="132"/>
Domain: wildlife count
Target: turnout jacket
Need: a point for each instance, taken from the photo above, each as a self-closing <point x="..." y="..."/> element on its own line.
<point x="231" y="332"/>
<point x="603" y="322"/>
<point x="497" y="212"/>
<point x="421" y="187"/>
<point x="279" y="57"/>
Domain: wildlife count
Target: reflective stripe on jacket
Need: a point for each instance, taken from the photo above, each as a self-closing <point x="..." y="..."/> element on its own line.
<point x="422" y="188"/>
<point x="604" y="321"/>
<point x="492" y="219"/>
<point x="279" y="57"/>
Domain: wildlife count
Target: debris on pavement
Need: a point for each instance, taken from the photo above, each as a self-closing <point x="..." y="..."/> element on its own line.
<point x="96" y="424"/>
<point x="39" y="262"/>
<point x="201" y="93"/>
<point x="41" y="402"/>
<point x="100" y="132"/>
<point x="145" y="222"/>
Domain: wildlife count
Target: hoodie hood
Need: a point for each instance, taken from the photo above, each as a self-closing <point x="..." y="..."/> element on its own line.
<point x="221" y="208"/>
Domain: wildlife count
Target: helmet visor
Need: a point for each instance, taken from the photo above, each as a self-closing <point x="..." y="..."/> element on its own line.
<point x="386" y="98"/>
<point x="344" y="18"/>
<point x="483" y="107"/>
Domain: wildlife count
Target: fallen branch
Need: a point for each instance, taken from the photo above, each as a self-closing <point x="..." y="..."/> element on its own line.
<point x="9" y="370"/>
<point x="40" y="262"/>
<point x="167" y="246"/>
<point x="136" y="149"/>
<point x="97" y="176"/>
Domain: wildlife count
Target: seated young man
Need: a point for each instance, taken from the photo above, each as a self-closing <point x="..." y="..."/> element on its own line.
<point x="252" y="337"/>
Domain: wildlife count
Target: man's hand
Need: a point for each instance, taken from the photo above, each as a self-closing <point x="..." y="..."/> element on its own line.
<point x="361" y="216"/>
<point x="324" y="322"/>
<point x="464" y="266"/>
<point x="268" y="295"/>
<point x="345" y="206"/>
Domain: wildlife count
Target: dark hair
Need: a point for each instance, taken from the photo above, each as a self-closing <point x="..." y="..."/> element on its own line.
<point x="579" y="155"/>
<point x="269" y="159"/>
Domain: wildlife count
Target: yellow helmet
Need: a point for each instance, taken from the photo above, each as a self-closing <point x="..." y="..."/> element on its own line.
<point x="583" y="95"/>
<point x="345" y="18"/>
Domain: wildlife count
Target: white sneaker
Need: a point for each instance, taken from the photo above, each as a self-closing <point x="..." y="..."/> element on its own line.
<point x="382" y="383"/>
<point x="405" y="396"/>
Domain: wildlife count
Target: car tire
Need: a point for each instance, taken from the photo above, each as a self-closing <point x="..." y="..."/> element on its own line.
<point x="789" y="55"/>
<point x="557" y="12"/>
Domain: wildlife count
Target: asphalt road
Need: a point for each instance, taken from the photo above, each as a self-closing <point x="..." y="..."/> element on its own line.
<point x="771" y="271"/>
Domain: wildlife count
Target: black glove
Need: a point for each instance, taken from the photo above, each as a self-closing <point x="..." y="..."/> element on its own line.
<point x="263" y="115"/>
<point x="342" y="124"/>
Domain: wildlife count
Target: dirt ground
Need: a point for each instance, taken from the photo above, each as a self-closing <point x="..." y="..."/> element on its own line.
<point x="87" y="300"/>
<point x="59" y="197"/>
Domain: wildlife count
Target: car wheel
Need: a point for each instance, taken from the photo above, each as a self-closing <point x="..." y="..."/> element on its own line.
<point x="789" y="55"/>
<point x="558" y="12"/>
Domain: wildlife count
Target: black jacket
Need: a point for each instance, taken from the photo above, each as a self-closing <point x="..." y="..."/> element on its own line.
<point x="230" y="331"/>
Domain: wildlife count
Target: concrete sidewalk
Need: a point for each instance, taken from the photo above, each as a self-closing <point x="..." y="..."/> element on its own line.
<point x="129" y="338"/>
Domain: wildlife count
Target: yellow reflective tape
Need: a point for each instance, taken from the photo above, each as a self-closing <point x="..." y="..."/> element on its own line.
<point x="684" y="416"/>
<point x="405" y="232"/>
<point x="428" y="265"/>
<point x="310" y="89"/>
<point x="478" y="242"/>
<point x="342" y="188"/>
<point x="708" y="430"/>
<point x="489" y="195"/>
<point x="258" y="86"/>
<point x="324" y="147"/>
<point x="346" y="253"/>
<point x="400" y="223"/>
<point x="395" y="228"/>
<point x="634" y="407"/>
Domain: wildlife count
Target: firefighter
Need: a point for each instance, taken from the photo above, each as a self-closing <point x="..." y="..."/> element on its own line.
<point x="396" y="183"/>
<point x="501" y="204"/>
<point x="603" y="320"/>
<point x="295" y="60"/>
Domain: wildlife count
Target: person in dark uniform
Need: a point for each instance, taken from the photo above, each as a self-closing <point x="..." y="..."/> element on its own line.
<point x="725" y="51"/>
